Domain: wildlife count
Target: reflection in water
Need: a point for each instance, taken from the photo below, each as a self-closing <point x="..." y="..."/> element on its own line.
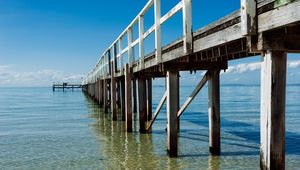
<point x="120" y="149"/>
<point x="239" y="136"/>
<point x="214" y="163"/>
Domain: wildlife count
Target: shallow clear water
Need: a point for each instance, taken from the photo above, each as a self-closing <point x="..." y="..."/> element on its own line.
<point x="40" y="129"/>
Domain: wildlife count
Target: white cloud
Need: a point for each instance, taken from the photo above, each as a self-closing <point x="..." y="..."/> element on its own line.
<point x="242" y="68"/>
<point x="46" y="77"/>
<point x="294" y="64"/>
<point x="248" y="67"/>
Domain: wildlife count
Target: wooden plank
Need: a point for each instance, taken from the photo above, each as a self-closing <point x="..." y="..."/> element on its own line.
<point x="142" y="93"/>
<point x="194" y="94"/>
<point x="261" y="3"/>
<point x="275" y="18"/>
<point x="172" y="109"/>
<point x="221" y="37"/>
<point x="149" y="31"/>
<point x="160" y="105"/>
<point x="128" y="98"/>
<point x="214" y="111"/>
<point x="248" y="17"/>
<point x="157" y="24"/>
<point x="113" y="94"/>
<point x="172" y="12"/>
<point x="272" y="114"/>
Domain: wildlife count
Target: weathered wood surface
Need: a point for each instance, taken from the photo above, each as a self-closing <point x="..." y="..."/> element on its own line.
<point x="113" y="94"/>
<point x="128" y="98"/>
<point x="105" y="96"/>
<point x="172" y="109"/>
<point x="272" y="114"/>
<point x="142" y="93"/>
<point x="214" y="111"/>
<point x="149" y="99"/>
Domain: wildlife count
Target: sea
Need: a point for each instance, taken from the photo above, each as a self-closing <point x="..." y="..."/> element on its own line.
<point x="42" y="129"/>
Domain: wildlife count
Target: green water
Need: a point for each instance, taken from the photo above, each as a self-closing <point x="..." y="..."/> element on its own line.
<point x="40" y="129"/>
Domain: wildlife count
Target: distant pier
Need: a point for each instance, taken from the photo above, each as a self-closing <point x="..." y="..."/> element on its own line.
<point x="270" y="28"/>
<point x="66" y="86"/>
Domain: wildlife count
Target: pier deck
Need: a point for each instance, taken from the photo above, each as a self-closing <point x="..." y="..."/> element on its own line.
<point x="66" y="86"/>
<point x="270" y="28"/>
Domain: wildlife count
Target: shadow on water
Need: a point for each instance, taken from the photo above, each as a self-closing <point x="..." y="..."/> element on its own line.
<point x="134" y="150"/>
<point x="249" y="135"/>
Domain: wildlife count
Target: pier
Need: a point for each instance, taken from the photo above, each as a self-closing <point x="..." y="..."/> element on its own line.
<point x="270" y="28"/>
<point x="66" y="86"/>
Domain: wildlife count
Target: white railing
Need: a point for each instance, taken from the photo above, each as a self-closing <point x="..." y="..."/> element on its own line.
<point x="102" y="68"/>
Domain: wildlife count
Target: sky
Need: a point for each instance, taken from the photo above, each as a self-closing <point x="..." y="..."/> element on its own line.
<point x="48" y="41"/>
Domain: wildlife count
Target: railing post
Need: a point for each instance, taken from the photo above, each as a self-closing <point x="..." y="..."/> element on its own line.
<point x="120" y="55"/>
<point x="157" y="16"/>
<point x="187" y="27"/>
<point x="130" y="53"/>
<point x="248" y="17"/>
<point x="141" y="43"/>
<point x="115" y="58"/>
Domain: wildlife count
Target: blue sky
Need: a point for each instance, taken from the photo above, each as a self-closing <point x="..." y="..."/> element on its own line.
<point x="60" y="40"/>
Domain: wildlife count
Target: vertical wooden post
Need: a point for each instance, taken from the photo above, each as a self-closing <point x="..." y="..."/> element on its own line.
<point x="187" y="27"/>
<point x="128" y="98"/>
<point x="178" y="102"/>
<point x="113" y="94"/>
<point x="149" y="99"/>
<point x="119" y="93"/>
<point x="141" y="43"/>
<point x="122" y="88"/>
<point x="130" y="49"/>
<point x="134" y="95"/>
<point x="105" y="96"/>
<point x="142" y="103"/>
<point x="214" y="111"/>
<point x="172" y="109"/>
<point x="97" y="90"/>
<point x="121" y="55"/>
<point x="101" y="93"/>
<point x="272" y="110"/>
<point x="248" y="17"/>
<point x="157" y="17"/>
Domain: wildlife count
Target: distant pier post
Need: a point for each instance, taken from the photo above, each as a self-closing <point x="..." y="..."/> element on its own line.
<point x="214" y="111"/>
<point x="172" y="109"/>
<point x="134" y="95"/>
<point x="101" y="93"/>
<point x="128" y="98"/>
<point x="105" y="99"/>
<point x="113" y="94"/>
<point x="122" y="89"/>
<point x="272" y="111"/>
<point x="142" y="93"/>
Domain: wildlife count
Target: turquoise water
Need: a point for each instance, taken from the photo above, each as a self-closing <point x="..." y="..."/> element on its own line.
<point x="40" y="129"/>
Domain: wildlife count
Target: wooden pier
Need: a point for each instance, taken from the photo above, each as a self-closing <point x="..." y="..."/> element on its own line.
<point x="66" y="86"/>
<point x="270" y="28"/>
